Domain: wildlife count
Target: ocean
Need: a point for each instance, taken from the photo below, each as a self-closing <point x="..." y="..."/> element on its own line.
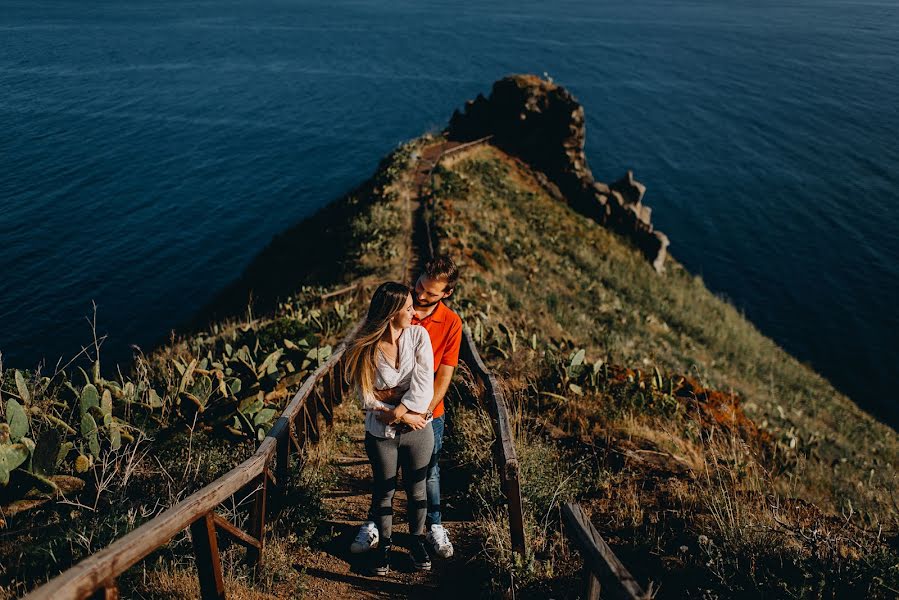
<point x="148" y="150"/>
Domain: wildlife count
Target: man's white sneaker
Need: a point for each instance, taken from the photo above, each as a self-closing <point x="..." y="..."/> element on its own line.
<point x="366" y="539"/>
<point x="439" y="540"/>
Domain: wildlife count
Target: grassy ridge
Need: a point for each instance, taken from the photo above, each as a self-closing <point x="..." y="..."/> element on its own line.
<point x="712" y="450"/>
<point x="718" y="465"/>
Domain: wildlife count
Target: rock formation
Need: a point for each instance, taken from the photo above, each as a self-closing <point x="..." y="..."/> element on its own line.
<point x="542" y="123"/>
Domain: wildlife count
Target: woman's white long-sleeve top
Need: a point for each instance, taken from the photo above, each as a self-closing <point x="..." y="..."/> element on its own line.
<point x="416" y="372"/>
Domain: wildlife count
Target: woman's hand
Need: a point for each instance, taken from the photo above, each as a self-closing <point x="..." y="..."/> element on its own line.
<point x="414" y="420"/>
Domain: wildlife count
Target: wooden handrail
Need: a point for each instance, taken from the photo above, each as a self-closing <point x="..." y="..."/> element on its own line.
<point x="81" y="580"/>
<point x="430" y="179"/>
<point x="99" y="571"/>
<point x="358" y="285"/>
<point x="464" y="146"/>
<point x="600" y="562"/>
<point x="505" y="455"/>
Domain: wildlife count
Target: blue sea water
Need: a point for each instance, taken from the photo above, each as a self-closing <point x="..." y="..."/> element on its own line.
<point x="148" y="150"/>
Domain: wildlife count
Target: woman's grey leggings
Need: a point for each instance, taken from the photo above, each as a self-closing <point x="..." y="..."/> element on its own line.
<point x="412" y="451"/>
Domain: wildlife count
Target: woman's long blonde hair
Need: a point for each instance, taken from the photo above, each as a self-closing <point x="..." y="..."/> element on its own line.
<point x="359" y="365"/>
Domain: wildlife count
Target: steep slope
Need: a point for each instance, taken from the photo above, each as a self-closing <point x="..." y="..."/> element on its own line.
<point x="700" y="427"/>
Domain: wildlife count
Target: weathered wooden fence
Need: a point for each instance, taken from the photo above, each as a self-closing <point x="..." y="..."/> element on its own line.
<point x="260" y="476"/>
<point x="602" y="569"/>
<point x="504" y="454"/>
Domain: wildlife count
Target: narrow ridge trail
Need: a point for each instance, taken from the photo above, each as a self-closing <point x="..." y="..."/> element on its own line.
<point x="331" y="570"/>
<point x="420" y="243"/>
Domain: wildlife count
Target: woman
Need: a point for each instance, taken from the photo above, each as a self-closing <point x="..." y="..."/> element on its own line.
<point x="390" y="352"/>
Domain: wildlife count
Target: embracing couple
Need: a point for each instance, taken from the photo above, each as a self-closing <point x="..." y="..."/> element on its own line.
<point x="401" y="363"/>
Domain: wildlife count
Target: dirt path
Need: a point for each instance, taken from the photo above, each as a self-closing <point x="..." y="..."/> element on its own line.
<point x="421" y="182"/>
<point x="331" y="570"/>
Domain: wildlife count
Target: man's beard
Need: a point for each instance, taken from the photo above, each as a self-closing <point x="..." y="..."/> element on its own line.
<point x="417" y="304"/>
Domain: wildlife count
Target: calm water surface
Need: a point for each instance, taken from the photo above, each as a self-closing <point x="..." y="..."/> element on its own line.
<point x="149" y="149"/>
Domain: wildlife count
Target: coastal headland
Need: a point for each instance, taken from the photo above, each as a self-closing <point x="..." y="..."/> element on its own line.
<point x="714" y="463"/>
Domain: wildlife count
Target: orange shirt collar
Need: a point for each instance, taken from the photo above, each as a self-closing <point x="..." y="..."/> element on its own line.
<point x="437" y="316"/>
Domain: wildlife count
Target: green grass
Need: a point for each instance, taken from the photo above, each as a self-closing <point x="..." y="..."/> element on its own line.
<point x="808" y="457"/>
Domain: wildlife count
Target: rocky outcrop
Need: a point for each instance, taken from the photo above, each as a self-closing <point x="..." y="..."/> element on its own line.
<point x="542" y="123"/>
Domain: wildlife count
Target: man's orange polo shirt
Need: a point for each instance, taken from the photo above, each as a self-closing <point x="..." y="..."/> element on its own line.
<point x="445" y="330"/>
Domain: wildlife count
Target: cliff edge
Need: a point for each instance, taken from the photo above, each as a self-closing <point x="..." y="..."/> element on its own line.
<point x="543" y="124"/>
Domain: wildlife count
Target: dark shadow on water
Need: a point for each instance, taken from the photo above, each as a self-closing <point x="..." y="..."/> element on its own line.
<point x="316" y="251"/>
<point x="321" y="250"/>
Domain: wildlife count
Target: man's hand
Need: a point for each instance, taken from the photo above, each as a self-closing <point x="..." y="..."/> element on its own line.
<point x="390" y="395"/>
<point x="414" y="420"/>
<point x="386" y="416"/>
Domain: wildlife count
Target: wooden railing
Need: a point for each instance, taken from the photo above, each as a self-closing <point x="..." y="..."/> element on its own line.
<point x="458" y="148"/>
<point x="264" y="473"/>
<point x="427" y="197"/>
<point x="505" y="456"/>
<point x="602" y="569"/>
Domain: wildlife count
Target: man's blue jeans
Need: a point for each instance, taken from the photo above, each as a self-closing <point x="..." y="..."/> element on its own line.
<point x="433" y="482"/>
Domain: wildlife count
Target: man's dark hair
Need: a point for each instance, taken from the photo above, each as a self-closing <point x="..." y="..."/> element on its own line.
<point x="442" y="268"/>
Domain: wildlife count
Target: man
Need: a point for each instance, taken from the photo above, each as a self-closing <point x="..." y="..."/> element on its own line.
<point x="436" y="283"/>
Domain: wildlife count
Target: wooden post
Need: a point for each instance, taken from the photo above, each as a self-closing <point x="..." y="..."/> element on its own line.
<point x="599" y="559"/>
<point x="257" y="523"/>
<point x="282" y="456"/>
<point x="591" y="583"/>
<point x="323" y="403"/>
<point x="109" y="591"/>
<point x="209" y="563"/>
<point x="516" y="514"/>
<point x="312" y="422"/>
<point x="298" y="430"/>
<point x="337" y="384"/>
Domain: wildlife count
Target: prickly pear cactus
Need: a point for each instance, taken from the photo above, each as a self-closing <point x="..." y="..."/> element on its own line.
<point x="11" y="457"/>
<point x="89" y="397"/>
<point x="24" y="394"/>
<point x="46" y="452"/>
<point x="89" y="433"/>
<point x="18" y="420"/>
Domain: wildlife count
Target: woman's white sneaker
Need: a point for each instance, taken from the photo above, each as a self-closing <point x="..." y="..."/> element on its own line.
<point x="440" y="542"/>
<point x="366" y="539"/>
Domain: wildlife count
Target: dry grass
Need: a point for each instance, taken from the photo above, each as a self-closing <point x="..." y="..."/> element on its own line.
<point x="547" y="481"/>
<point x="724" y="493"/>
<point x="279" y="578"/>
<point x="537" y="268"/>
